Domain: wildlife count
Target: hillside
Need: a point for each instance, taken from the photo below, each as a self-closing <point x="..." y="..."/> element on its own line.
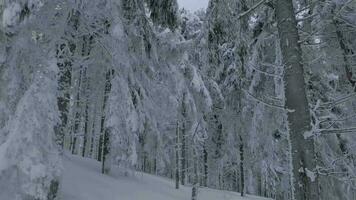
<point x="82" y="180"/>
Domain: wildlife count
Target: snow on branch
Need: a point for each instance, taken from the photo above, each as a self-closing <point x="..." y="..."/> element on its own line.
<point x="338" y="101"/>
<point x="338" y="131"/>
<point x="342" y="8"/>
<point x="306" y="17"/>
<point x="266" y="73"/>
<point x="338" y="120"/>
<point x="304" y="9"/>
<point x="346" y="22"/>
<point x="272" y="65"/>
<point x="251" y="9"/>
<point x="266" y="103"/>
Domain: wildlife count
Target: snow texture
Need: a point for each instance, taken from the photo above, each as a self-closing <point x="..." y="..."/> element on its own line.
<point x="10" y="15"/>
<point x="82" y="181"/>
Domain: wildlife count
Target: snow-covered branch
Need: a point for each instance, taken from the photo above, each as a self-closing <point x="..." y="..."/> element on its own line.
<point x="265" y="103"/>
<point x="252" y="8"/>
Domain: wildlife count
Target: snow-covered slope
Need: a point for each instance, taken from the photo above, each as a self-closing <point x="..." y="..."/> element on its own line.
<point x="82" y="181"/>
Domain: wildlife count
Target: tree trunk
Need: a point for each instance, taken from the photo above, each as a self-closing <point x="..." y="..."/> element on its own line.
<point x="184" y="141"/>
<point x="183" y="164"/>
<point x="86" y="114"/>
<point x="74" y="141"/>
<point x="106" y="150"/>
<point x="205" y="152"/>
<point x="78" y="113"/>
<point x="242" y="175"/>
<point x="302" y="150"/>
<point x="177" y="156"/>
<point x="103" y="130"/>
<point x="99" y="158"/>
<point x="64" y="84"/>
<point x="86" y="49"/>
<point x="91" y="149"/>
<point x="196" y="178"/>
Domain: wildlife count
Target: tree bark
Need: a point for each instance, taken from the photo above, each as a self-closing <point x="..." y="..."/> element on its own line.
<point x="302" y="150"/>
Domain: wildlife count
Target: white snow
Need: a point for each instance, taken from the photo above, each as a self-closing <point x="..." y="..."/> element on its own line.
<point x="4" y="161"/>
<point x="308" y="134"/>
<point x="29" y="160"/>
<point x="193" y="5"/>
<point x="82" y="181"/>
<point x="36" y="4"/>
<point x="10" y="15"/>
<point x="332" y="76"/>
<point x="310" y="175"/>
<point x="118" y="31"/>
<point x="199" y="85"/>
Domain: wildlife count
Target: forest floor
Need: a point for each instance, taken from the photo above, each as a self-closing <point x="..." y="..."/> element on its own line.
<point x="82" y="180"/>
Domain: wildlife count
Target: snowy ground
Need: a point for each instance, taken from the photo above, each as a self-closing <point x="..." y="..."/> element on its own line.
<point x="82" y="181"/>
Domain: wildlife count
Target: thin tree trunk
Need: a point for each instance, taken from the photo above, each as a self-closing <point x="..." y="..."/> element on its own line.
<point x="85" y="137"/>
<point x="177" y="156"/>
<point x="78" y="113"/>
<point x="302" y="150"/>
<point x="183" y="158"/>
<point x="259" y="186"/>
<point x="86" y="114"/>
<point x="106" y="150"/>
<point x="196" y="178"/>
<point x="99" y="158"/>
<point x="242" y="175"/>
<point x="184" y="140"/>
<point x="206" y="173"/>
<point x="74" y="141"/>
<point x="92" y="135"/>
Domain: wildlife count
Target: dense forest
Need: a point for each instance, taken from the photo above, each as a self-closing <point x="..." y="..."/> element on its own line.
<point x="252" y="96"/>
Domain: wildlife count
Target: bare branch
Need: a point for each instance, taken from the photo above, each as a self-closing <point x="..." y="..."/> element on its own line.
<point x="306" y="18"/>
